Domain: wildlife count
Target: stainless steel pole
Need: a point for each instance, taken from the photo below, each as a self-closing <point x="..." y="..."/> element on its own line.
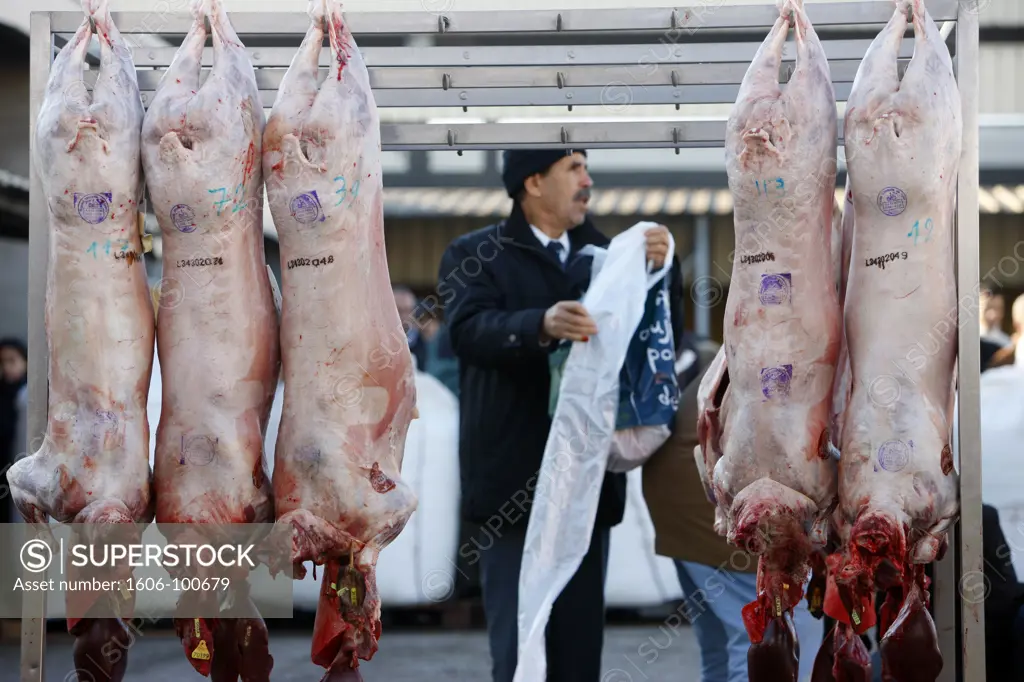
<point x="701" y="271"/>
<point x="33" y="614"/>
<point x="971" y="570"/>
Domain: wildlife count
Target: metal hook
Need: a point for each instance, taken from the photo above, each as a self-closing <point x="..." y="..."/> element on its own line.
<point x="561" y="80"/>
<point x="675" y="139"/>
<point x="446" y="81"/>
<point x="675" y="19"/>
<point x="558" y="22"/>
<point x="675" y="79"/>
<point x="565" y="135"/>
<point x="442" y="24"/>
<point x="92" y="24"/>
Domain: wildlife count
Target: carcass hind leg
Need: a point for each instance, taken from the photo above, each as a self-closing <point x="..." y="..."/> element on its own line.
<point x="224" y="666"/>
<point x="342" y="671"/>
<point x="101" y="649"/>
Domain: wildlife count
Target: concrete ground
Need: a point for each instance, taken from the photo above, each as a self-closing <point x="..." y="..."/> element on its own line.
<point x="633" y="653"/>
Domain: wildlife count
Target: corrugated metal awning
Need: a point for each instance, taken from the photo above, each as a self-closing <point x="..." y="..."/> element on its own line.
<point x="464" y="201"/>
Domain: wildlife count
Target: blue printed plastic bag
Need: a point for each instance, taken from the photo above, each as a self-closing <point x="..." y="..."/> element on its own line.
<point x="648" y="389"/>
<point x="648" y="392"/>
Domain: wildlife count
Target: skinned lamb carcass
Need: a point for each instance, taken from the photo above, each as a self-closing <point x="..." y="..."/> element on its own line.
<point x="765" y="449"/>
<point x="93" y="466"/>
<point x="349" y="387"/>
<point x="217" y="327"/>
<point x="898" y="487"/>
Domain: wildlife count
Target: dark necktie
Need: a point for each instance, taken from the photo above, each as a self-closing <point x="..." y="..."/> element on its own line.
<point x="556" y="250"/>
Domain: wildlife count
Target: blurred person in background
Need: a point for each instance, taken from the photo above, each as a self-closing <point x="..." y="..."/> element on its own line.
<point x="717" y="579"/>
<point x="405" y="300"/>
<point x="429" y="340"/>
<point x="13" y="411"/>
<point x="439" y="357"/>
<point x="1007" y="354"/>
<point x="991" y="311"/>
<point x="510" y="292"/>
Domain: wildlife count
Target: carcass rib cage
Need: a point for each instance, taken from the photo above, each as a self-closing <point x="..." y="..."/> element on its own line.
<point x="604" y="86"/>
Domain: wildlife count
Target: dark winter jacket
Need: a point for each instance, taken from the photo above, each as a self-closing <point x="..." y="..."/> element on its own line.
<point x="494" y="285"/>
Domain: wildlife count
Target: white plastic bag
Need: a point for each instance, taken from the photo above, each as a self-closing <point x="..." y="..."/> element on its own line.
<point x="580" y="440"/>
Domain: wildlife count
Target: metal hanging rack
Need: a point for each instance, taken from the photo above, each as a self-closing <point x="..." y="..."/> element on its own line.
<point x="673" y="70"/>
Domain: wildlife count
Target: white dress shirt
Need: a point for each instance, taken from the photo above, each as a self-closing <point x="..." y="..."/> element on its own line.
<point x="545" y="240"/>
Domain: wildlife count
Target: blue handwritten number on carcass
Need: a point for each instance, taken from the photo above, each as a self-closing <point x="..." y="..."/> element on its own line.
<point x="344" y="191"/>
<point x="239" y="203"/>
<point x="762" y="187"/>
<point x="223" y="197"/>
<point x="93" y="248"/>
<point x="915" y="231"/>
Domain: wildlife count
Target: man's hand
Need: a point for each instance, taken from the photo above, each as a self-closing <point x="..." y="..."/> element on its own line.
<point x="657" y="246"/>
<point x="567" y="320"/>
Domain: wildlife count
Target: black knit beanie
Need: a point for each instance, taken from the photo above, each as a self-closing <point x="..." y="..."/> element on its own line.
<point x="520" y="164"/>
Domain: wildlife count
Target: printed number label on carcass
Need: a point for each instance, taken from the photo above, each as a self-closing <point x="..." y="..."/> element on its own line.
<point x="915" y="231"/>
<point x="880" y="261"/>
<point x="343" y="192"/>
<point x="758" y="258"/>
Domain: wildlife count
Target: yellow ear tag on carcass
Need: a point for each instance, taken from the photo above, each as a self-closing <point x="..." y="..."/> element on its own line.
<point x="778" y="606"/>
<point x="196" y="622"/>
<point x="855" y="617"/>
<point x="201" y="652"/>
<point x="147" y="239"/>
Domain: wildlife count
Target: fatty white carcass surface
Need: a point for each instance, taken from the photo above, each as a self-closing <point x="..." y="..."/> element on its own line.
<point x="765" y="451"/>
<point x="897" y="485"/>
<point x="349" y="391"/>
<point x="217" y="327"/>
<point x="93" y="465"/>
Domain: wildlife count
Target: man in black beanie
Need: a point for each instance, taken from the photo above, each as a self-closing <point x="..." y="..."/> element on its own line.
<point x="510" y="292"/>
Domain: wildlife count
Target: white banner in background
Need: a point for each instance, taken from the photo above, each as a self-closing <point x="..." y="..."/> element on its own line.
<point x="576" y="455"/>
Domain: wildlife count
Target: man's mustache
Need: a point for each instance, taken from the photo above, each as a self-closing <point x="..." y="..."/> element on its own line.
<point x="582" y="194"/>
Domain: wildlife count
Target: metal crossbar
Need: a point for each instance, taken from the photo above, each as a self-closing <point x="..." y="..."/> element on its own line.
<point x="616" y="81"/>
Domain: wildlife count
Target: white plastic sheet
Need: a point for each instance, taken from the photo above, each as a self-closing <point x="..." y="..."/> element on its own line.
<point x="578" y="446"/>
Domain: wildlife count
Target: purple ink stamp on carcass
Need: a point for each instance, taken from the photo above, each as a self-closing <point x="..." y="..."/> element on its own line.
<point x="306" y="208"/>
<point x="776" y="289"/>
<point x="893" y="455"/>
<point x="184" y="218"/>
<point x="775" y="381"/>
<point x="892" y="201"/>
<point x="93" y="208"/>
